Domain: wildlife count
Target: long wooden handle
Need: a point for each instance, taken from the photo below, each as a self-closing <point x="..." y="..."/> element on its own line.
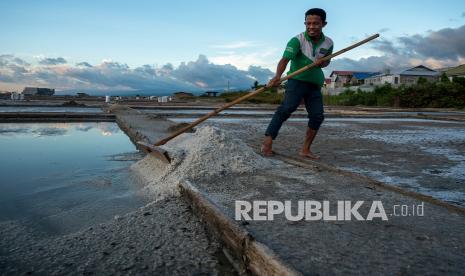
<point x="253" y="93"/>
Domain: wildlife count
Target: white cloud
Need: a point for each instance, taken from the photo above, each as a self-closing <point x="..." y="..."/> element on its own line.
<point x="236" y="45"/>
<point x="53" y="61"/>
<point x="266" y="58"/>
<point x="435" y="49"/>
<point x="110" y="75"/>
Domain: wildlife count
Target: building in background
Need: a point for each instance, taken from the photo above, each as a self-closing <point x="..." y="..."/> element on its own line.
<point x="33" y="91"/>
<point x="405" y="77"/>
<point x="340" y="78"/>
<point x="348" y="78"/>
<point x="358" y="78"/>
<point x="15" y="96"/>
<point x="211" y="93"/>
<point x="163" y="99"/>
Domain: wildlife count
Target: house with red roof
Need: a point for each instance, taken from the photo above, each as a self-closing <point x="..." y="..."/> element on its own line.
<point x="404" y="77"/>
<point x="340" y="78"/>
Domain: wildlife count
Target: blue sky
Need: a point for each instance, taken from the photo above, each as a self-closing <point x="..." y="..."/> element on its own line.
<point x="240" y="33"/>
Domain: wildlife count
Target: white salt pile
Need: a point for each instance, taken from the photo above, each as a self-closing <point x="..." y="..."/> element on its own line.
<point x="208" y="153"/>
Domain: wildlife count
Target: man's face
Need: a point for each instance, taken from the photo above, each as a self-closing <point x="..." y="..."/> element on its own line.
<point x="314" y="25"/>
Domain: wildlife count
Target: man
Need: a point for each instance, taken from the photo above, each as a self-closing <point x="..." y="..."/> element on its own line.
<point x="303" y="49"/>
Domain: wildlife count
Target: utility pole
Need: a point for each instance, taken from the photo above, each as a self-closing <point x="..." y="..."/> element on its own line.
<point x="228" y="86"/>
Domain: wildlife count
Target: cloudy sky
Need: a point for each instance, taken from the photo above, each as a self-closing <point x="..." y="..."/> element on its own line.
<point x="204" y="45"/>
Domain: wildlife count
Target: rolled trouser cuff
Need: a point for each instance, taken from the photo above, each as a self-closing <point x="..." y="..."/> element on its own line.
<point x="314" y="122"/>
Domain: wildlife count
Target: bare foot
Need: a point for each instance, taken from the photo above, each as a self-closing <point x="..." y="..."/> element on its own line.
<point x="267" y="147"/>
<point x="309" y="155"/>
<point x="267" y="151"/>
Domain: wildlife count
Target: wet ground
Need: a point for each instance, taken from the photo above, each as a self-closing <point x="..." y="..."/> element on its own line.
<point x="426" y="156"/>
<point x="299" y="113"/>
<point x="162" y="238"/>
<point x="197" y="109"/>
<point x="402" y="245"/>
<point x="412" y="243"/>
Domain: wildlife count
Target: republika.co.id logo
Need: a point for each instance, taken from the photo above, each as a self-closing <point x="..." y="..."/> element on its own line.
<point x="311" y="210"/>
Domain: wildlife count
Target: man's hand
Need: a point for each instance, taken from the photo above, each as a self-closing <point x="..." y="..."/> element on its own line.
<point x="279" y="72"/>
<point x="275" y="81"/>
<point x="319" y="62"/>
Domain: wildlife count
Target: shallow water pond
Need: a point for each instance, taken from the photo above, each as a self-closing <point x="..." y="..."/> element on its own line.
<point x="58" y="178"/>
<point x="38" y="109"/>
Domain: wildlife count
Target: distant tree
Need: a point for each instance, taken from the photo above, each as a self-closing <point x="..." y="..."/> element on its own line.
<point x="422" y="80"/>
<point x="459" y="80"/>
<point x="255" y="84"/>
<point x="444" y="78"/>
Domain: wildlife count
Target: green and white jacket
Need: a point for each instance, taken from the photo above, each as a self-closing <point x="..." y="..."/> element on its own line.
<point x="301" y="51"/>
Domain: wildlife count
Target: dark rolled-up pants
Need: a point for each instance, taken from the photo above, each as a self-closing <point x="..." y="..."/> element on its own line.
<point x="297" y="90"/>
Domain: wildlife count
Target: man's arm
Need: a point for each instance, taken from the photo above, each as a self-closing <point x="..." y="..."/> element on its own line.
<point x="279" y="72"/>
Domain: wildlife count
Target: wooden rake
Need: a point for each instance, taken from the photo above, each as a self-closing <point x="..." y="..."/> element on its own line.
<point x="163" y="155"/>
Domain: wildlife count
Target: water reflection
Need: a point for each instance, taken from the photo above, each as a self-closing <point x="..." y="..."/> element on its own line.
<point x="60" y="178"/>
<point x="7" y="131"/>
<point x="49" y="131"/>
<point x="50" y="109"/>
<point x="56" y="129"/>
